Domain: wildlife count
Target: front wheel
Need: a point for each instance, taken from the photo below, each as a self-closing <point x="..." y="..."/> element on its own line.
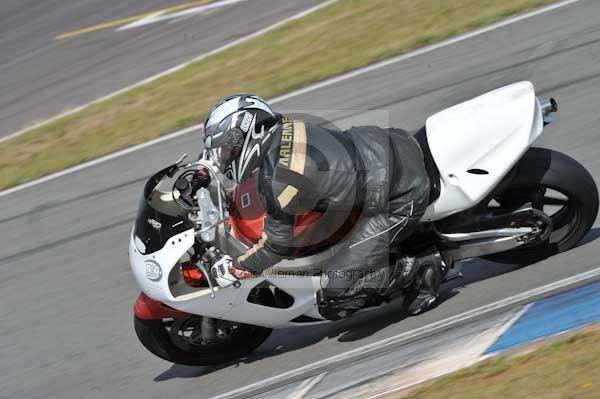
<point x="180" y="340"/>
<point x="560" y="187"/>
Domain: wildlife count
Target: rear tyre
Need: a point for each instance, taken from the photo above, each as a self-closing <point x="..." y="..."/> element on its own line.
<point x="562" y="188"/>
<point x="179" y="340"/>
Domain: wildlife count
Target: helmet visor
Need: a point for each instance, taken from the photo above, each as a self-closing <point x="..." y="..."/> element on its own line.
<point x="223" y="156"/>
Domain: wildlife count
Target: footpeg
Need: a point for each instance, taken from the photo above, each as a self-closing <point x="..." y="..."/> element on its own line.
<point x="453" y="277"/>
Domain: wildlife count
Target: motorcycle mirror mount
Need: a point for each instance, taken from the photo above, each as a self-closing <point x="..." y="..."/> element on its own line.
<point x="171" y="170"/>
<point x="181" y="159"/>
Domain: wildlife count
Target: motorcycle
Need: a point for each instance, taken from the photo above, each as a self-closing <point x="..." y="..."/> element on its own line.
<point x="493" y="196"/>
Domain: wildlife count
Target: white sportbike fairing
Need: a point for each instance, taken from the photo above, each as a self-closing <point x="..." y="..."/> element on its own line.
<point x="480" y="152"/>
<point x="474" y="144"/>
<point x="229" y="303"/>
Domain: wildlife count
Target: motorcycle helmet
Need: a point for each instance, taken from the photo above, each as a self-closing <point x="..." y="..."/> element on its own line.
<point x="237" y="132"/>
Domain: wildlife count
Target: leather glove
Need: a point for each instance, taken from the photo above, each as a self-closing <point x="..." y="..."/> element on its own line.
<point x="226" y="273"/>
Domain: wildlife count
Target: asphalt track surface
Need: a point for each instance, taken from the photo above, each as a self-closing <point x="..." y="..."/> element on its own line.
<point x="41" y="77"/>
<point x="67" y="291"/>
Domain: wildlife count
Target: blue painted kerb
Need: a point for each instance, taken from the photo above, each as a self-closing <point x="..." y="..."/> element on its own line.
<point x="553" y="315"/>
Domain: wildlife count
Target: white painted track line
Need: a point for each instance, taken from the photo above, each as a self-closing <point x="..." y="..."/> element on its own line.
<point x="427" y="49"/>
<point x="454" y="361"/>
<point x="175" y="68"/>
<point x="275" y="100"/>
<point x="161" y="16"/>
<point x="421" y="331"/>
<point x="99" y="160"/>
<point x="306" y="386"/>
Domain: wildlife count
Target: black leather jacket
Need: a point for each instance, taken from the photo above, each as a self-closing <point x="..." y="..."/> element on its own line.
<point x="375" y="171"/>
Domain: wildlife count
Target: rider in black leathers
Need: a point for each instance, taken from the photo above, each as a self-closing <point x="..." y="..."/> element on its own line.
<point x="302" y="167"/>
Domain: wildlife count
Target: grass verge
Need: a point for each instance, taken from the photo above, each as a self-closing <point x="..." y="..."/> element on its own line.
<point x="565" y="369"/>
<point x="347" y="35"/>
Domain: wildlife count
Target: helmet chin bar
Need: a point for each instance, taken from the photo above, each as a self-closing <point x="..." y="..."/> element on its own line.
<point x="231" y="172"/>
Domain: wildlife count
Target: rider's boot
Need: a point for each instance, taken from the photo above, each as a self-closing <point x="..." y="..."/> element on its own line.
<point x="430" y="278"/>
<point x="340" y="307"/>
<point x="337" y="304"/>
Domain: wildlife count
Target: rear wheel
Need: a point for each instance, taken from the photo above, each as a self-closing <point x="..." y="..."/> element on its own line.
<point x="560" y="187"/>
<point x="180" y="340"/>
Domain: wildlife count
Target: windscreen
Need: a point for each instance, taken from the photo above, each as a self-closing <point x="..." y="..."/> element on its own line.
<point x="154" y="228"/>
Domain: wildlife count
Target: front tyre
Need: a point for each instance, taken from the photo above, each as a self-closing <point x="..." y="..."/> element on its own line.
<point x="180" y="341"/>
<point x="557" y="185"/>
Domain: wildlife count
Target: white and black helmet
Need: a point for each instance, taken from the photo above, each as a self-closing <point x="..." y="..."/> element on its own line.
<point x="237" y="132"/>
